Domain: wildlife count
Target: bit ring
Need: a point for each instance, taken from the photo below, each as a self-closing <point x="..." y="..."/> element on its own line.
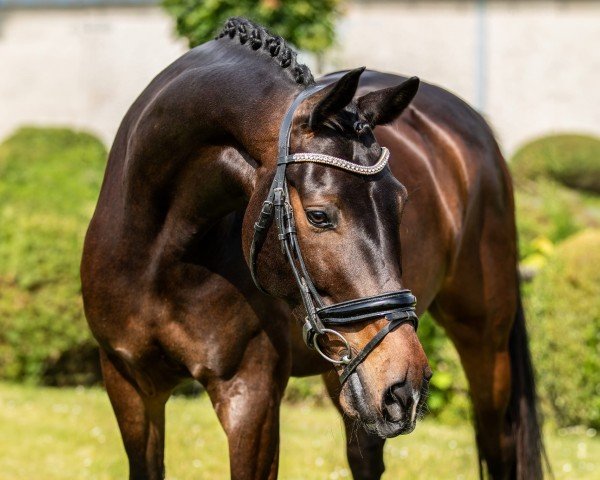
<point x="345" y="360"/>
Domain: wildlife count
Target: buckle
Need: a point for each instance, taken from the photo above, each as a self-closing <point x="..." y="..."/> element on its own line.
<point x="265" y="214"/>
<point x="278" y="197"/>
<point x="308" y="333"/>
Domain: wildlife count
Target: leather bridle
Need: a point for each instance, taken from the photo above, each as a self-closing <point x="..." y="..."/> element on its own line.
<point x="396" y="307"/>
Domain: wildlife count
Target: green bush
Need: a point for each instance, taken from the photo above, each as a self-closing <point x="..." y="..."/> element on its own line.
<point x="549" y="212"/>
<point x="307" y="24"/>
<point x="306" y="389"/>
<point x="49" y="182"/>
<point x="564" y="325"/>
<point x="572" y="160"/>
<point x="448" y="390"/>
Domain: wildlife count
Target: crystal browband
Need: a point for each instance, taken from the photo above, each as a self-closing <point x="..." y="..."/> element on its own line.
<point x="343" y="164"/>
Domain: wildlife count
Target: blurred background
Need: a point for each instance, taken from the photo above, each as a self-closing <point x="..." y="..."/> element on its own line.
<point x="69" y="69"/>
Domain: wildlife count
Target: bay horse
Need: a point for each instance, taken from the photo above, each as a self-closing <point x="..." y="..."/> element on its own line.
<point x="247" y="210"/>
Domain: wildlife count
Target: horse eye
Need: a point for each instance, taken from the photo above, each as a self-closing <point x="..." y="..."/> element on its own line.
<point x="360" y="127"/>
<point x="318" y="218"/>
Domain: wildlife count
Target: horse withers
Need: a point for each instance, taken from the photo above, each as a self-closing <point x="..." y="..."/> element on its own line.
<point x="249" y="212"/>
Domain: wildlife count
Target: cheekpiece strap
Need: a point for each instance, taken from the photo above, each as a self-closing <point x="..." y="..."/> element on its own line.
<point x="275" y="197"/>
<point x="286" y="125"/>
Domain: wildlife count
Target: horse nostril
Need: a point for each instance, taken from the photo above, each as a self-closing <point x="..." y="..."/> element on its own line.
<point x="398" y="401"/>
<point x="403" y="394"/>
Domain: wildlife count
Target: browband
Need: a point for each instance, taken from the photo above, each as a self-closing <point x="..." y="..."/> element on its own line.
<point x="340" y="162"/>
<point x="396" y="307"/>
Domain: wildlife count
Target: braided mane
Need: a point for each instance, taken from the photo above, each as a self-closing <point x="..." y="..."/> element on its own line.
<point x="258" y="38"/>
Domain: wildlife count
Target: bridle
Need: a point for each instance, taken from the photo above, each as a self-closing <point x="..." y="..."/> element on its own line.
<point x="397" y="307"/>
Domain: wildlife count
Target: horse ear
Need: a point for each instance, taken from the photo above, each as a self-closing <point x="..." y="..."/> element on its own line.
<point x="334" y="97"/>
<point x="384" y="106"/>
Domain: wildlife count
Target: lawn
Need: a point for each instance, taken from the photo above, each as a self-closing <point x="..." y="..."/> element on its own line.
<point x="71" y="434"/>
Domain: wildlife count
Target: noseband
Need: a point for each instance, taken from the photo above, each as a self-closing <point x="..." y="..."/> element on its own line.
<point x="396" y="307"/>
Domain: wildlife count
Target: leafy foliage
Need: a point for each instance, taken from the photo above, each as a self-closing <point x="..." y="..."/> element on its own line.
<point x="572" y="160"/>
<point x="305" y="389"/>
<point x="307" y="24"/>
<point x="555" y="178"/>
<point x="550" y="212"/>
<point x="564" y="327"/>
<point x="448" y="389"/>
<point x="49" y="181"/>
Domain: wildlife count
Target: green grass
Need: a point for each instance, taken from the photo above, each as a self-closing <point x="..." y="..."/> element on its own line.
<point x="71" y="434"/>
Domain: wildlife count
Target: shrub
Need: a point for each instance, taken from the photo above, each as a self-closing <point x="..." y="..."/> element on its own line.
<point x="549" y="212"/>
<point x="572" y="160"/>
<point x="307" y="24"/>
<point x="306" y="389"/>
<point x="564" y="324"/>
<point x="49" y="182"/>
<point x="448" y="390"/>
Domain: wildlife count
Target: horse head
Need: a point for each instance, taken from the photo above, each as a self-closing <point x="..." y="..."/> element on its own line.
<point x="338" y="228"/>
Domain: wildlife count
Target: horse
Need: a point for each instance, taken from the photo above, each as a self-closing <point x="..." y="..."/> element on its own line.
<point x="248" y="211"/>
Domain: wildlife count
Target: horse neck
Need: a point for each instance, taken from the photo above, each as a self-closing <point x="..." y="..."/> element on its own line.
<point x="191" y="154"/>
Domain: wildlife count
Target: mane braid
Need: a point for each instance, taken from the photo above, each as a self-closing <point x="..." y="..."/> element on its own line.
<point x="258" y="38"/>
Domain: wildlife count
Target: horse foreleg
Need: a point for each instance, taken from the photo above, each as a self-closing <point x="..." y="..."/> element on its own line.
<point x="364" y="451"/>
<point x="141" y="419"/>
<point x="247" y="406"/>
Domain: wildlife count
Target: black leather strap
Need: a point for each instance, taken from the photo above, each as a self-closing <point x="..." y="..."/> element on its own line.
<point x="367" y="308"/>
<point x="394" y="321"/>
<point x="265" y="219"/>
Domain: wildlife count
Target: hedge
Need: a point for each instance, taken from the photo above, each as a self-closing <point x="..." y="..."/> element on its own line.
<point x="558" y="181"/>
<point x="564" y="325"/>
<point x="548" y="212"/>
<point x="49" y="182"/>
<point x="572" y="160"/>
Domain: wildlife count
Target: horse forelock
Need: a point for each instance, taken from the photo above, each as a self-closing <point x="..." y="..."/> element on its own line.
<point x="259" y="39"/>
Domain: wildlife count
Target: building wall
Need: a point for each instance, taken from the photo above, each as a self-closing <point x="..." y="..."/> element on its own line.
<point x="541" y="59"/>
<point x="80" y="67"/>
<point x="536" y="72"/>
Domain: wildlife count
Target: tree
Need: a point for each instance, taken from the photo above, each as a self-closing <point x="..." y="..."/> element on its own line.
<point x="307" y="24"/>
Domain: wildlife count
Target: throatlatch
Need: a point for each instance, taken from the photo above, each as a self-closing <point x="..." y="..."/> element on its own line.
<point x="396" y="307"/>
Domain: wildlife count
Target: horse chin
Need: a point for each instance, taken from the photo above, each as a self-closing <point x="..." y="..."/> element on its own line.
<point x="353" y="401"/>
<point x="386" y="429"/>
